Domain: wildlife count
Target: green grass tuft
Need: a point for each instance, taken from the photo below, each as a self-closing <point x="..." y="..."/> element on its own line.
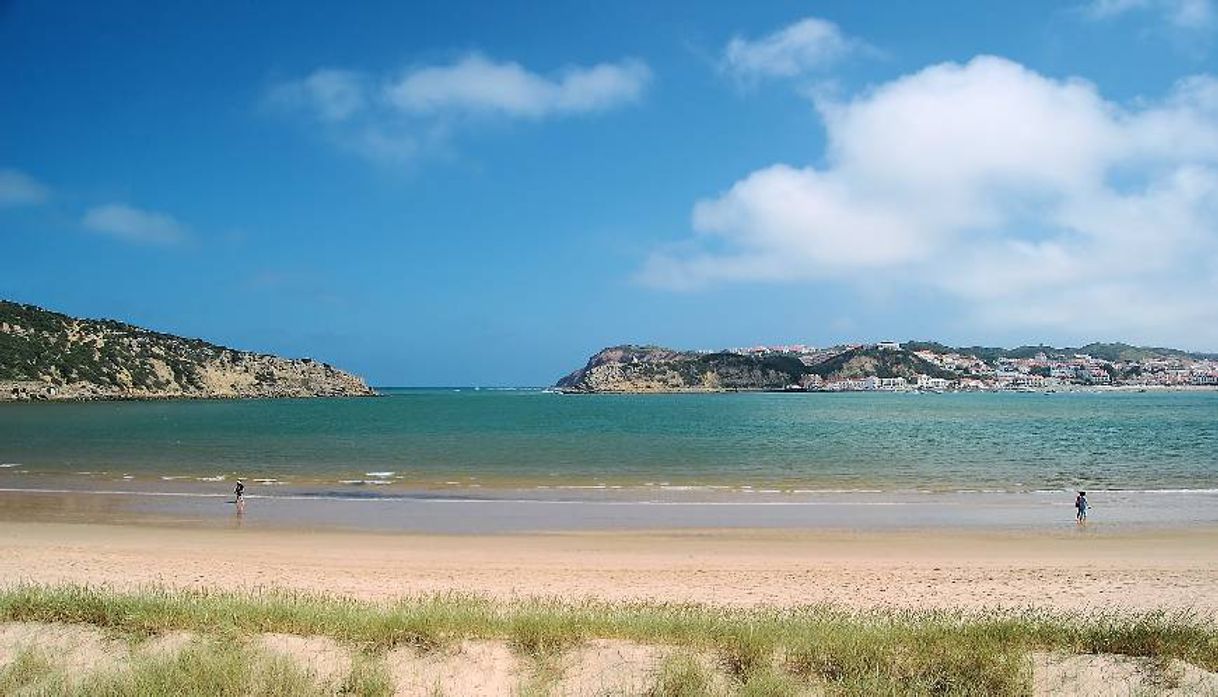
<point x="767" y="682"/>
<point x="683" y="675"/>
<point x="369" y="677"/>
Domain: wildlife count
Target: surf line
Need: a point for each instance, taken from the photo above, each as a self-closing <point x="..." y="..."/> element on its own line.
<point x="416" y="499"/>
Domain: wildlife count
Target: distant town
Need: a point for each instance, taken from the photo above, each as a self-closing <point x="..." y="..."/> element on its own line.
<point x="988" y="369"/>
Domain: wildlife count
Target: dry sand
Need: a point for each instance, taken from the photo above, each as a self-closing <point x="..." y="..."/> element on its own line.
<point x="327" y="661"/>
<point x="474" y="667"/>
<point x="609" y="667"/>
<point x="1066" y="570"/>
<point x="1105" y="675"/>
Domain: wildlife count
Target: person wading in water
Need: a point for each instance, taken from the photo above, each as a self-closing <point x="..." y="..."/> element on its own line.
<point x="239" y="491"/>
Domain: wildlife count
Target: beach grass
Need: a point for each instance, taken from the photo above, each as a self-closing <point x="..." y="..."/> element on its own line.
<point x="219" y="667"/>
<point x="759" y="651"/>
<point x="29" y="667"/>
<point x="682" y="675"/>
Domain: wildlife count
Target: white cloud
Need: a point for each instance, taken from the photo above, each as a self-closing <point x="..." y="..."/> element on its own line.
<point x="1032" y="201"/>
<point x="806" y="46"/>
<point x="1183" y="14"/>
<point x="135" y="225"/>
<point x="400" y="117"/>
<point x="329" y="95"/>
<point x="476" y="84"/>
<point x="20" y="189"/>
<point x="1103" y="9"/>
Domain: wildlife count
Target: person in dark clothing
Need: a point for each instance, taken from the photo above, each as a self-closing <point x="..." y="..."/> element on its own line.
<point x="1080" y="506"/>
<point x="239" y="490"/>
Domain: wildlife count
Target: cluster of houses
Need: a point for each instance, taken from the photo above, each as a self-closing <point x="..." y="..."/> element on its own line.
<point x="924" y="383"/>
<point x="1045" y="371"/>
<point x="1041" y="371"/>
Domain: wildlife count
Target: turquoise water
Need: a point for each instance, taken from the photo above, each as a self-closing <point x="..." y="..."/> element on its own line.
<point x="529" y="439"/>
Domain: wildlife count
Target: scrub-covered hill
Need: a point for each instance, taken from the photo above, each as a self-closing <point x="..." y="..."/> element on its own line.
<point x="48" y="355"/>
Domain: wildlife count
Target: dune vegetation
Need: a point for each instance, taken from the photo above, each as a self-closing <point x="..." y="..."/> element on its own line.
<point x="708" y="650"/>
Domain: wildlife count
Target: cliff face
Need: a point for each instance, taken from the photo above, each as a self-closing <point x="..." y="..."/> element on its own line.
<point x="654" y="369"/>
<point x="47" y="355"/>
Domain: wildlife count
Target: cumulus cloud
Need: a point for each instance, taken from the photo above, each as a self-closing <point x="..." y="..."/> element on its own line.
<point x="398" y="117"/>
<point x="806" y="46"/>
<point x="1032" y="201"/>
<point x="20" y="189"/>
<point x="134" y="225"/>
<point x="1183" y="14"/>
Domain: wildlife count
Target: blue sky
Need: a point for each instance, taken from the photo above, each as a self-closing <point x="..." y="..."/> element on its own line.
<point x="486" y="193"/>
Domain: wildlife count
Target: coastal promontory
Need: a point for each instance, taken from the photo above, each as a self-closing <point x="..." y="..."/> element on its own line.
<point x="888" y="365"/>
<point x="655" y="369"/>
<point x="48" y="355"/>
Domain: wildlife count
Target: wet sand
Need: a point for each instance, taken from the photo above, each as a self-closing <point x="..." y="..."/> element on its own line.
<point x="1065" y="570"/>
<point x="458" y="511"/>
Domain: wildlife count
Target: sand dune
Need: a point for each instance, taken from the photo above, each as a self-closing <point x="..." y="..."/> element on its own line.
<point x="599" y="667"/>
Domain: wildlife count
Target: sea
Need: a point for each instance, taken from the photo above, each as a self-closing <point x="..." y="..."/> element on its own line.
<point x="1154" y="452"/>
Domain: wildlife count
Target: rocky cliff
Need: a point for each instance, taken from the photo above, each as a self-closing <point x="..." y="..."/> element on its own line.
<point x="655" y="369"/>
<point x="48" y="355"/>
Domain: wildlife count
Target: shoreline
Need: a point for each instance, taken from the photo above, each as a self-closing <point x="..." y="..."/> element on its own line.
<point x="1056" y="389"/>
<point x="388" y="391"/>
<point x="278" y="481"/>
<point x="490" y="512"/>
<point x="102" y="398"/>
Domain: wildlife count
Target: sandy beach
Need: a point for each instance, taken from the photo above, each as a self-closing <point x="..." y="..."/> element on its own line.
<point x="919" y="555"/>
<point x="1159" y="569"/>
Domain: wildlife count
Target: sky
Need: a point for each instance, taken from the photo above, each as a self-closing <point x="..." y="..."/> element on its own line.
<point x="470" y="193"/>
